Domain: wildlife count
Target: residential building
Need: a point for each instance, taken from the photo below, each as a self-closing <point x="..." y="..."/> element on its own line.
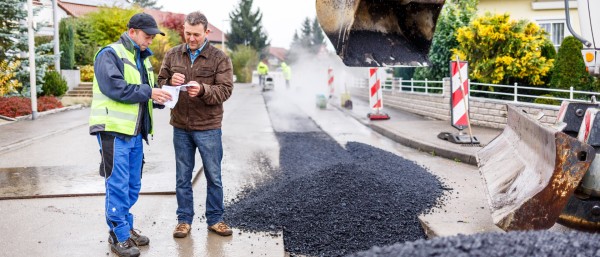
<point x="549" y="14"/>
<point x="78" y="8"/>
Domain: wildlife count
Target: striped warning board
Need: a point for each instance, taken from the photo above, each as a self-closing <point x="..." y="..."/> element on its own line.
<point x="375" y="93"/>
<point x="330" y="82"/>
<point x="460" y="87"/>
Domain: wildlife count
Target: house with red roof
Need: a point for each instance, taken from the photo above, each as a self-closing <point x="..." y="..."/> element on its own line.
<point x="78" y="8"/>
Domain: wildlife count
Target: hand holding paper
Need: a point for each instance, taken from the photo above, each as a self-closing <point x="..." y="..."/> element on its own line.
<point x="193" y="88"/>
<point x="174" y="91"/>
<point x="160" y="95"/>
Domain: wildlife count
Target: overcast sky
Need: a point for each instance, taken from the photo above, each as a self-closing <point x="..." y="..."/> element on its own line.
<point x="280" y="17"/>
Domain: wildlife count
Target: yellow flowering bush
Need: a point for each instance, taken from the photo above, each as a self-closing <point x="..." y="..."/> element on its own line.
<point x="8" y="82"/>
<point x="503" y="51"/>
<point x="87" y="73"/>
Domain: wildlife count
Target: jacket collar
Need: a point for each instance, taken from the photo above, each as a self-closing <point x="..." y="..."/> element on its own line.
<point x="182" y="49"/>
<point x="132" y="46"/>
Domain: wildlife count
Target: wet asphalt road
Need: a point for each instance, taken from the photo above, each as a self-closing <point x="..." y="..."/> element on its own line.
<point x="40" y="227"/>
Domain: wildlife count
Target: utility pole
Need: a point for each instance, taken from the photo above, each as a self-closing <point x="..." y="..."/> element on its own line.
<point x="56" y="42"/>
<point x="30" y="36"/>
<point x="223" y="35"/>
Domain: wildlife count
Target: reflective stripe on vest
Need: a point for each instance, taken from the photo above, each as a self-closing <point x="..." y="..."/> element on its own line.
<point x="110" y="115"/>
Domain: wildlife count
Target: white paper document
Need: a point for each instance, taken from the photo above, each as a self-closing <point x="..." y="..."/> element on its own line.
<point x="174" y="91"/>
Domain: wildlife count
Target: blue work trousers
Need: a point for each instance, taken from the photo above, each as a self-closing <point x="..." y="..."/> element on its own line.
<point x="122" y="165"/>
<point x="208" y="143"/>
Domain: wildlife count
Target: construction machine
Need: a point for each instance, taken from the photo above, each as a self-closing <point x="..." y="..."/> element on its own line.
<point x="535" y="175"/>
<point x="538" y="175"/>
<point x="375" y="33"/>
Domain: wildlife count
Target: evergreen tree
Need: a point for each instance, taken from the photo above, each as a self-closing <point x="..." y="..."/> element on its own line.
<point x="13" y="41"/>
<point x="310" y="40"/>
<point x="306" y="38"/>
<point x="67" y="44"/>
<point x="318" y="37"/>
<point x="147" y="4"/>
<point x="12" y="30"/>
<point x="246" y="27"/>
<point x="569" y="69"/>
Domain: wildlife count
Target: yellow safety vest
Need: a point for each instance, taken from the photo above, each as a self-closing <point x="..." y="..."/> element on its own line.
<point x="116" y="116"/>
<point x="262" y="68"/>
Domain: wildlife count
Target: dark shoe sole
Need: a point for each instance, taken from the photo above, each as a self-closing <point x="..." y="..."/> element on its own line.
<point x="219" y="233"/>
<point x="181" y="235"/>
<point x="112" y="249"/>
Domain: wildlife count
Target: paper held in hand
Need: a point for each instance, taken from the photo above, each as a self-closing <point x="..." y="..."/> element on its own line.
<point x="174" y="91"/>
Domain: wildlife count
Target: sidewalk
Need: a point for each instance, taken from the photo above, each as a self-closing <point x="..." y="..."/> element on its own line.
<point x="420" y="132"/>
<point x="14" y="135"/>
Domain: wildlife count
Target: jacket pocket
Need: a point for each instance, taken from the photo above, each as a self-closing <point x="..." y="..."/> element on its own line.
<point x="205" y="76"/>
<point x="178" y="69"/>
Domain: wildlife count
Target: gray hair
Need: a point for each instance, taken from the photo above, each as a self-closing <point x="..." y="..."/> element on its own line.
<point x="196" y="18"/>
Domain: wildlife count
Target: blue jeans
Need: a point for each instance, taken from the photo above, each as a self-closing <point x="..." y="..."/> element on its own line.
<point x="208" y="143"/>
<point x="122" y="167"/>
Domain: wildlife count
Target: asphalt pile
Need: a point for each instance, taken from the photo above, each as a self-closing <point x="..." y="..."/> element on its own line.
<point x="531" y="243"/>
<point x="331" y="201"/>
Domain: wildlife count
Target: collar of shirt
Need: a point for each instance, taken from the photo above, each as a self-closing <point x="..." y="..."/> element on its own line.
<point x="141" y="55"/>
<point x="195" y="54"/>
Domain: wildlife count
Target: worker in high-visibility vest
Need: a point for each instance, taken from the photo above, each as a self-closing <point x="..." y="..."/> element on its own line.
<point x="262" y="70"/>
<point x="287" y="73"/>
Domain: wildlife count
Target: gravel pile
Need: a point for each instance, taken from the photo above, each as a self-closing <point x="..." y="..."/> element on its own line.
<point x="331" y="201"/>
<point x="531" y="243"/>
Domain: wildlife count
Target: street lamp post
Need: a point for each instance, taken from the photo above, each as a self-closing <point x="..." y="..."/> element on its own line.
<point x="223" y="35"/>
<point x="56" y="46"/>
<point x="30" y="36"/>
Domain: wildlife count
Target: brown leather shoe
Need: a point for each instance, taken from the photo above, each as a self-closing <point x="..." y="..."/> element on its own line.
<point x="221" y="229"/>
<point x="182" y="230"/>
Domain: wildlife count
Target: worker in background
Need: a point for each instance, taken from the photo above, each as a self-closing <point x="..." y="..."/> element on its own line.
<point x="287" y="73"/>
<point x="262" y="70"/>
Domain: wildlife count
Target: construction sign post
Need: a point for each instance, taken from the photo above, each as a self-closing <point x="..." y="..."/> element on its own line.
<point x="376" y="95"/>
<point x="330" y="82"/>
<point x="459" y="105"/>
<point x="460" y="94"/>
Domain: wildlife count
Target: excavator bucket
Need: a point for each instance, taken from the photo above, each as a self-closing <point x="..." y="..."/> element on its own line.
<point x="375" y="33"/>
<point x="530" y="172"/>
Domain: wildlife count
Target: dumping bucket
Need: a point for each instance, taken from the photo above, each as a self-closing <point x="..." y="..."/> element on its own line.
<point x="375" y="33"/>
<point x="530" y="171"/>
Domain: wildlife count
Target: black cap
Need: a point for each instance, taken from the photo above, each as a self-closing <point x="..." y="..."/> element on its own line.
<point x="145" y="22"/>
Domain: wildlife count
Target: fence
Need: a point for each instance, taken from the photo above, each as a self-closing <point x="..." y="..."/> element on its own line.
<point x="487" y="107"/>
<point x="512" y="93"/>
<point x="413" y="86"/>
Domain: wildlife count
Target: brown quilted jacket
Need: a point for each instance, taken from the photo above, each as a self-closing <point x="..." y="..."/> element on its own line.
<point x="212" y="69"/>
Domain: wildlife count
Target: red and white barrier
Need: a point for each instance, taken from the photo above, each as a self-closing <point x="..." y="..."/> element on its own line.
<point x="330" y="82"/>
<point x="376" y="75"/>
<point x="375" y="93"/>
<point x="460" y="94"/>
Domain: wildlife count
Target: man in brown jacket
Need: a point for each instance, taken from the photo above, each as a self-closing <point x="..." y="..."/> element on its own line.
<point x="196" y="119"/>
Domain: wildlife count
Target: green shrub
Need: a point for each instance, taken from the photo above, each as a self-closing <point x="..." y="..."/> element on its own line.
<point x="87" y="73"/>
<point x="569" y="69"/>
<point x="67" y="45"/>
<point x="54" y="84"/>
<point x="547" y="101"/>
<point x="244" y="60"/>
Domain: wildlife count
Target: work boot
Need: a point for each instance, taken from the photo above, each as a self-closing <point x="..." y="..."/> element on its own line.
<point x="182" y="230"/>
<point x="125" y="249"/>
<point x="221" y="229"/>
<point x="134" y="234"/>
<point x="138" y="239"/>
